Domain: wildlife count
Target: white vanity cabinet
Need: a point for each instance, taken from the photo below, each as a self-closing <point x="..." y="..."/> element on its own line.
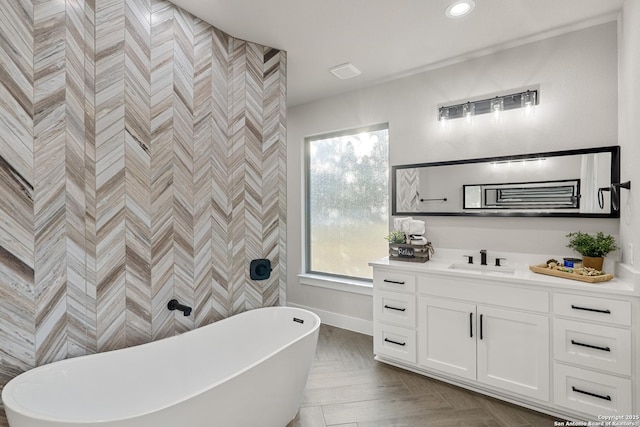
<point x="592" y="352"/>
<point x="513" y="354"/>
<point x="493" y="345"/>
<point x="563" y="349"/>
<point x="394" y="332"/>
<point x="448" y="336"/>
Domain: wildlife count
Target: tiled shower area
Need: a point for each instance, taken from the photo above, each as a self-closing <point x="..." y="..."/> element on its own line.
<point x="142" y="158"/>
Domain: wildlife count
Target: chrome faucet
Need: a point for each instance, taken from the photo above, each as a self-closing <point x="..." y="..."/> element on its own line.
<point x="483" y="257"/>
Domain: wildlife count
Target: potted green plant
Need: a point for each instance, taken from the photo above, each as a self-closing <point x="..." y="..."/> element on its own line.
<point x="396" y="237"/>
<point x="592" y="248"/>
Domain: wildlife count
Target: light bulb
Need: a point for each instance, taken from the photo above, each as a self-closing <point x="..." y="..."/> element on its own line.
<point x="527" y="103"/>
<point x="497" y="105"/>
<point x="468" y="110"/>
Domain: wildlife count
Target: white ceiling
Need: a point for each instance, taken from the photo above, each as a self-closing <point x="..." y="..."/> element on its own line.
<point x="387" y="39"/>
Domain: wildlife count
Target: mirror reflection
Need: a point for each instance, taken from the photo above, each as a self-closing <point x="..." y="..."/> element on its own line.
<point x="563" y="183"/>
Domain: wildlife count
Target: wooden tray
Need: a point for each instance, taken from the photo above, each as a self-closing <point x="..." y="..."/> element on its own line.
<point x="542" y="269"/>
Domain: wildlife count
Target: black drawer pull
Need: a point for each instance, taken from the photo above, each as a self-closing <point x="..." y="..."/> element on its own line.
<point x="577" y="390"/>
<point x="577" y="307"/>
<point x="481" y="327"/>
<point x="471" y="325"/>
<point x="395" y="308"/>
<point x="393" y="281"/>
<point x="590" y="346"/>
<point x="395" y="342"/>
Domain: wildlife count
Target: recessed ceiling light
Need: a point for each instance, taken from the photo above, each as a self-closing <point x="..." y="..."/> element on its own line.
<point x="460" y="8"/>
<point x="345" y="71"/>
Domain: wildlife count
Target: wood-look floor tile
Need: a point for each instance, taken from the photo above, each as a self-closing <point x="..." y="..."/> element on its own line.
<point x="350" y="377"/>
<point x="537" y="419"/>
<point x="354" y="393"/>
<point x="457" y="397"/>
<point x="348" y="388"/>
<point x="383" y="409"/>
<point x="506" y="414"/>
<point x="327" y="367"/>
<point x="353" y="349"/>
<point x="308" y="417"/>
<point x="446" y="418"/>
<point x="417" y="384"/>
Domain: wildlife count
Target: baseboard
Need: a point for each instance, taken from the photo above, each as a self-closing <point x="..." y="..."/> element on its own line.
<point x="340" y="320"/>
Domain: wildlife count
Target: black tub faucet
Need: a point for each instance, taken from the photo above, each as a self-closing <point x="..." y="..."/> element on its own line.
<point x="483" y="257"/>
<point x="175" y="305"/>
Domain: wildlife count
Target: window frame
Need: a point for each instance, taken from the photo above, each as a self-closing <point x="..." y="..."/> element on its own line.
<point x="307" y="271"/>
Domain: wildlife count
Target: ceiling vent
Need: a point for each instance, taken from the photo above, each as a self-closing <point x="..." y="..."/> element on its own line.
<point x="345" y="71"/>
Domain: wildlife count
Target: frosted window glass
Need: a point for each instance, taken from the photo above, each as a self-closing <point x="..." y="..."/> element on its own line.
<point x="348" y="202"/>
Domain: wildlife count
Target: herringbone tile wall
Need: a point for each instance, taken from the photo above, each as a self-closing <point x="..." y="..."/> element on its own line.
<point x="142" y="157"/>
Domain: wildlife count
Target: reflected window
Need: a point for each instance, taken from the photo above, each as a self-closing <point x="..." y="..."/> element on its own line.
<point x="564" y="194"/>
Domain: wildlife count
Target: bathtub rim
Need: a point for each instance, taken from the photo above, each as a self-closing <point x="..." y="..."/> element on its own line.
<point x="18" y="408"/>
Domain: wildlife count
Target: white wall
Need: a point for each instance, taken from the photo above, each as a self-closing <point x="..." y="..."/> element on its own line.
<point x="629" y="129"/>
<point x="577" y="74"/>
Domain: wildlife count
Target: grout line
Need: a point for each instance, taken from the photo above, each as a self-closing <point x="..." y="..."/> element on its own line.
<point x="324" y="418"/>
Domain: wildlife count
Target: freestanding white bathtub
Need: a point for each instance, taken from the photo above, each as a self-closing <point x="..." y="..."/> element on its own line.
<point x="249" y="370"/>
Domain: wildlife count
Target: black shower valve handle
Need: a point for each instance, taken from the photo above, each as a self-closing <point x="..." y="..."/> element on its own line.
<point x="260" y="269"/>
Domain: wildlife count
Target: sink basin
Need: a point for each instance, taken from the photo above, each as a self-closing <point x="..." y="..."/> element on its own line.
<point x="482" y="268"/>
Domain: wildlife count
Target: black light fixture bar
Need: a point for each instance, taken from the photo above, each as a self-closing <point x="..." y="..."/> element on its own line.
<point x="483" y="106"/>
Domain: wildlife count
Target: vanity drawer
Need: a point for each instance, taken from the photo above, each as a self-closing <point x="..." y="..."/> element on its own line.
<point x="594" y="346"/>
<point x="485" y="293"/>
<point x="593" y="308"/>
<point x="591" y="392"/>
<point x="393" y="281"/>
<point x="395" y="342"/>
<point x="395" y="308"/>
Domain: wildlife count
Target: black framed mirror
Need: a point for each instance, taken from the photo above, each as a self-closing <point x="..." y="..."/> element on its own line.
<point x="569" y="183"/>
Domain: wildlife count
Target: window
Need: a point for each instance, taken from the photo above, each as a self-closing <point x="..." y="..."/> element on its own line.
<point x="347" y="193"/>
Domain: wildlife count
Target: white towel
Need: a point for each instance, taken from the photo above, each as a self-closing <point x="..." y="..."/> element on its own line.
<point x="414" y="226"/>
<point x="399" y="223"/>
<point x="418" y="240"/>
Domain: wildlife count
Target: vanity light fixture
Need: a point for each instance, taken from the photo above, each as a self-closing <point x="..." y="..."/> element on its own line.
<point x="526" y="99"/>
<point x="539" y="160"/>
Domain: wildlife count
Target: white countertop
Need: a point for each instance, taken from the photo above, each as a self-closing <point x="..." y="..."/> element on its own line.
<point x="625" y="282"/>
